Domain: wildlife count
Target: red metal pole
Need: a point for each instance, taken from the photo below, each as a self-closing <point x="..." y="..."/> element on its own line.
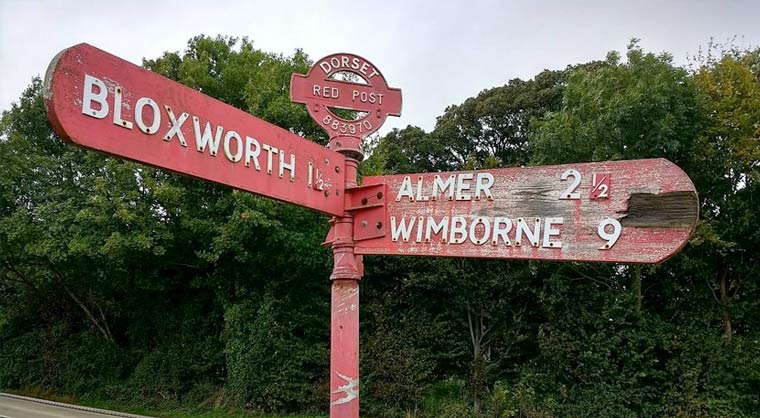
<point x="344" y="320"/>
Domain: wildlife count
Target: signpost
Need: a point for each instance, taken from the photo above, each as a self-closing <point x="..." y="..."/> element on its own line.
<point x="99" y="101"/>
<point x="640" y="211"/>
<point x="321" y="92"/>
<point x="625" y="211"/>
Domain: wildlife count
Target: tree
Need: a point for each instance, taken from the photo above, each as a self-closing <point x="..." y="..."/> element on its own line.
<point x="152" y="262"/>
<point x="647" y="107"/>
<point x="730" y="86"/>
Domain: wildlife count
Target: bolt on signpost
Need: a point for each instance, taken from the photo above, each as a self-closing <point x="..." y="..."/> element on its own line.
<point x="640" y="211"/>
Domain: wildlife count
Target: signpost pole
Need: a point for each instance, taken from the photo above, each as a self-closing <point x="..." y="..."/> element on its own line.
<point x="344" y="316"/>
<point x="322" y="90"/>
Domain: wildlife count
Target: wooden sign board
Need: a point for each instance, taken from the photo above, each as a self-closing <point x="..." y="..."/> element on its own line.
<point x="639" y="211"/>
<point x="99" y="101"/>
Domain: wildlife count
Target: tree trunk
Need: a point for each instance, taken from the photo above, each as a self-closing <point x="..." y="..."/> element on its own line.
<point x="480" y="346"/>
<point x="726" y="318"/>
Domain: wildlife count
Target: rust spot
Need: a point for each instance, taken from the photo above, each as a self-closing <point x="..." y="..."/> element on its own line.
<point x="666" y="210"/>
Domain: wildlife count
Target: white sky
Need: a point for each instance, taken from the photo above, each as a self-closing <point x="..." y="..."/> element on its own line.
<point x="438" y="52"/>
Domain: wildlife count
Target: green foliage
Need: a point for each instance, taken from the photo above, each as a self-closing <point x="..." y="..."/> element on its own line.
<point x="494" y="126"/>
<point x="124" y="272"/>
<point x="644" y="107"/>
<point x="269" y="368"/>
<point x="395" y="371"/>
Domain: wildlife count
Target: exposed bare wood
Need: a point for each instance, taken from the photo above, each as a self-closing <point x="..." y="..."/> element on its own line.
<point x="666" y="210"/>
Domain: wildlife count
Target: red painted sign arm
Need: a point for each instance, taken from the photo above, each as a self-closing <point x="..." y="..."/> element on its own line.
<point x="640" y="211"/>
<point x="99" y="101"/>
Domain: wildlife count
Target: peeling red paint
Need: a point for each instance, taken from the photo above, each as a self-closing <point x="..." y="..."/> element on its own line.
<point x="288" y="167"/>
<point x="534" y="192"/>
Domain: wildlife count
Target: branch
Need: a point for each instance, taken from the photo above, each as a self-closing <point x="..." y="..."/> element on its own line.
<point x="472" y="332"/>
<point x="586" y="276"/>
<point x="84" y="308"/>
<point x="709" y="286"/>
<point x="21" y="278"/>
<point x="105" y="323"/>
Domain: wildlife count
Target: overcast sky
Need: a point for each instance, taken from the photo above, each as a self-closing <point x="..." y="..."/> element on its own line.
<point x="438" y="52"/>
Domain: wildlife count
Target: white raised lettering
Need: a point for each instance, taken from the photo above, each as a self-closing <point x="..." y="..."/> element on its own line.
<point x="420" y="228"/>
<point x="420" y="197"/>
<point x="405" y="190"/>
<point x="117" y="120"/>
<point x="238" y="146"/>
<point x="287" y="166"/>
<point x="549" y="232"/>
<point x="462" y="185"/>
<point x="486" y="231"/>
<point x="90" y="96"/>
<point x="522" y="228"/>
<point x="205" y="139"/>
<point x="252" y="151"/>
<point x="176" y="128"/>
<point x="139" y="106"/>
<point x="483" y="184"/>
<point x="436" y="228"/>
<point x="402" y="229"/>
<point x="270" y="151"/>
<point x="458" y="231"/>
<point x="439" y="186"/>
<point x="501" y="227"/>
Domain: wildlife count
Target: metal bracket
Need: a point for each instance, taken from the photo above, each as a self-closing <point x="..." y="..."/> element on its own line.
<point x="368" y="205"/>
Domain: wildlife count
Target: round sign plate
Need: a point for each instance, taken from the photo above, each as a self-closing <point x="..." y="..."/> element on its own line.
<point x="322" y="91"/>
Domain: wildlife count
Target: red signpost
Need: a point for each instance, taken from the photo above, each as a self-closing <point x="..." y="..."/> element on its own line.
<point x="321" y="92"/>
<point x="625" y="211"/>
<point x="640" y="211"/>
<point x="100" y="101"/>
